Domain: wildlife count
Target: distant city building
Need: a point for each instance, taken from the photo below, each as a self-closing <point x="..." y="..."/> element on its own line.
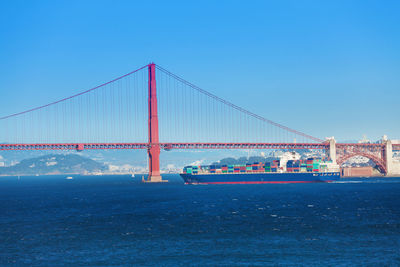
<point x="364" y="140"/>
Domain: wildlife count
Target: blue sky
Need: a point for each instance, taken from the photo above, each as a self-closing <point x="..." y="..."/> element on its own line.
<point x="328" y="68"/>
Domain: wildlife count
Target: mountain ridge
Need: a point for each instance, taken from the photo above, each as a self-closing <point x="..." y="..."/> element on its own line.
<point x="54" y="164"/>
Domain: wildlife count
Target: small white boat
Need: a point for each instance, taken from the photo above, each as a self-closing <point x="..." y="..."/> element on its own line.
<point x="133" y="175"/>
<point x="69" y="178"/>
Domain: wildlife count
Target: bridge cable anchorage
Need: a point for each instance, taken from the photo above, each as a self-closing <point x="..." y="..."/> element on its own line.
<point x="73" y="96"/>
<point x="223" y="101"/>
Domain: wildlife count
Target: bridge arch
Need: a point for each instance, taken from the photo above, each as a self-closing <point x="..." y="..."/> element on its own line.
<point x="379" y="162"/>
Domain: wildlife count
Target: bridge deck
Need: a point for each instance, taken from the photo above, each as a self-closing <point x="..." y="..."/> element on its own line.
<point x="167" y="146"/>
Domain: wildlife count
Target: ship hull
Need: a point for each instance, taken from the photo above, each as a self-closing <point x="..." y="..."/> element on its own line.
<point x="259" y="178"/>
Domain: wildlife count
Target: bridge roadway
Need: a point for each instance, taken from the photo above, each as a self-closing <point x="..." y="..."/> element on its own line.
<point x="169" y="146"/>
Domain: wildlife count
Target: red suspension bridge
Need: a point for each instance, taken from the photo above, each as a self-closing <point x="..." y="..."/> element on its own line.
<point x="178" y="115"/>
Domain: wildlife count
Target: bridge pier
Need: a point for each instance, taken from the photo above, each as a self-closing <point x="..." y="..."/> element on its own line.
<point x="332" y="149"/>
<point x="388" y="154"/>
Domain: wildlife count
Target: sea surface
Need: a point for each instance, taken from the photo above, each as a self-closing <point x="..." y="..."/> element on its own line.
<point x="119" y="221"/>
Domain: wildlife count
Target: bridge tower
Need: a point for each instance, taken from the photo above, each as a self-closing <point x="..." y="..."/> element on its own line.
<point x="154" y="145"/>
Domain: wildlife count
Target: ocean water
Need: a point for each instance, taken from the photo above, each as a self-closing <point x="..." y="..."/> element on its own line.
<point x="118" y="221"/>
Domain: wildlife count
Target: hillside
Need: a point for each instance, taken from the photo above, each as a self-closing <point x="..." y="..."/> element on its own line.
<point x="54" y="164"/>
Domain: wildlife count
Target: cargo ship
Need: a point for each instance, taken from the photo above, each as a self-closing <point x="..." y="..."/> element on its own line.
<point x="291" y="171"/>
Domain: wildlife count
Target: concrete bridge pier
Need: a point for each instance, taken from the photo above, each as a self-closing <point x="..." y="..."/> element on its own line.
<point x="332" y="149"/>
<point x="388" y="153"/>
<point x="392" y="165"/>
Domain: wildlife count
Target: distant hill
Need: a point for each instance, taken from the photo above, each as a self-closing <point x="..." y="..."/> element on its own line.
<point x="54" y="164"/>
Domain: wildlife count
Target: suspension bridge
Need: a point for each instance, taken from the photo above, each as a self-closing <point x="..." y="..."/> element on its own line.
<point x="154" y="109"/>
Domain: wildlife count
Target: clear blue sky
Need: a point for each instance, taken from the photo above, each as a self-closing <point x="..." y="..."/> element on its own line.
<point x="328" y="68"/>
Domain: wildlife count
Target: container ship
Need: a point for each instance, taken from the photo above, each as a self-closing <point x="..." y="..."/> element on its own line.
<point x="290" y="171"/>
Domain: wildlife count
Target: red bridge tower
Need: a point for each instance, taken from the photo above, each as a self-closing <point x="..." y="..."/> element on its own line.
<point x="153" y="144"/>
